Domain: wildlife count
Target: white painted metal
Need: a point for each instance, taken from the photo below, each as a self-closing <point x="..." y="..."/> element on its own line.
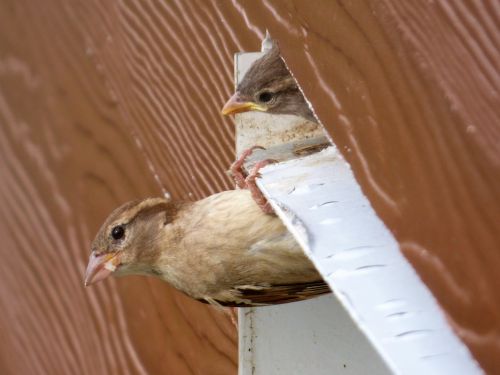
<point x="314" y="337"/>
<point x="381" y="315"/>
<point x="322" y="205"/>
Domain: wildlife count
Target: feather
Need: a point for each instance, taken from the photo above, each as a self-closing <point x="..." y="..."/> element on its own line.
<point x="245" y="296"/>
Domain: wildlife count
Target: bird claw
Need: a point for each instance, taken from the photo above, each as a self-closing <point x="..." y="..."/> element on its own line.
<point x="257" y="195"/>
<point x="233" y="315"/>
<point x="237" y="167"/>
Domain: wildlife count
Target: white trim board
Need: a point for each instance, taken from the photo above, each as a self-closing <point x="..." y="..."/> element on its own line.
<point x="382" y="318"/>
<point x="322" y="205"/>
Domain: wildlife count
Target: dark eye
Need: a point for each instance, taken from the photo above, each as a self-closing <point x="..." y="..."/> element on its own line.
<point x="118" y="232"/>
<point x="265" y="96"/>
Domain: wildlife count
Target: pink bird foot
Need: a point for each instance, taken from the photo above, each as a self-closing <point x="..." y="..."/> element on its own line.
<point x="237" y="167"/>
<point x="251" y="185"/>
<point x="233" y="315"/>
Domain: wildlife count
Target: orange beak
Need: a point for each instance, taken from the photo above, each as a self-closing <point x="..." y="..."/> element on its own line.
<point x="100" y="267"/>
<point x="236" y="105"/>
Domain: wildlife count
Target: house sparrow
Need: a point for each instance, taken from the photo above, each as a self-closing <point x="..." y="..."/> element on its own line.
<point x="269" y="87"/>
<point x="221" y="250"/>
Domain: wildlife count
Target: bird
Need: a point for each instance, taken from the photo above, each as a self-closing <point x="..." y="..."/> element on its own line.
<point x="222" y="250"/>
<point x="269" y="87"/>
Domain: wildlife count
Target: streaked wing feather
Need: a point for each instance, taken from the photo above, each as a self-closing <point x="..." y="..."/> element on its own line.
<point x="275" y="294"/>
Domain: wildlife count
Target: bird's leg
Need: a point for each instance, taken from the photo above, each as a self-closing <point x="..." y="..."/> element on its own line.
<point x="233" y="315"/>
<point x="257" y="195"/>
<point x="237" y="167"/>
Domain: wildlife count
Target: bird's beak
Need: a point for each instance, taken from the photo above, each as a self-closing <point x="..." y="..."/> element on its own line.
<point x="100" y="267"/>
<point x="236" y="105"/>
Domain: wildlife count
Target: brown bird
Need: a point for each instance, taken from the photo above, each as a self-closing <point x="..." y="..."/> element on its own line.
<point x="221" y="250"/>
<point x="269" y="87"/>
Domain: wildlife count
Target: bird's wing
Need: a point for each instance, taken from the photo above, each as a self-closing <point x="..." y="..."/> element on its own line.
<point x="250" y="295"/>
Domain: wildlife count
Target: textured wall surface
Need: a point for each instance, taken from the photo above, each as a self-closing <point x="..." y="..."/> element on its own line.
<point x="102" y="102"/>
<point x="409" y="93"/>
<point x="95" y="97"/>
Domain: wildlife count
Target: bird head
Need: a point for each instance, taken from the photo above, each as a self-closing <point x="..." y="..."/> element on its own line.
<point x="129" y="241"/>
<point x="269" y="87"/>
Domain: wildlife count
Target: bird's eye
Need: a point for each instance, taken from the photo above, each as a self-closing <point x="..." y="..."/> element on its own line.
<point x="118" y="232"/>
<point x="265" y="97"/>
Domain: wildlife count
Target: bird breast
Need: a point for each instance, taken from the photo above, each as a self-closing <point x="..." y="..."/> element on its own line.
<point x="228" y="241"/>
